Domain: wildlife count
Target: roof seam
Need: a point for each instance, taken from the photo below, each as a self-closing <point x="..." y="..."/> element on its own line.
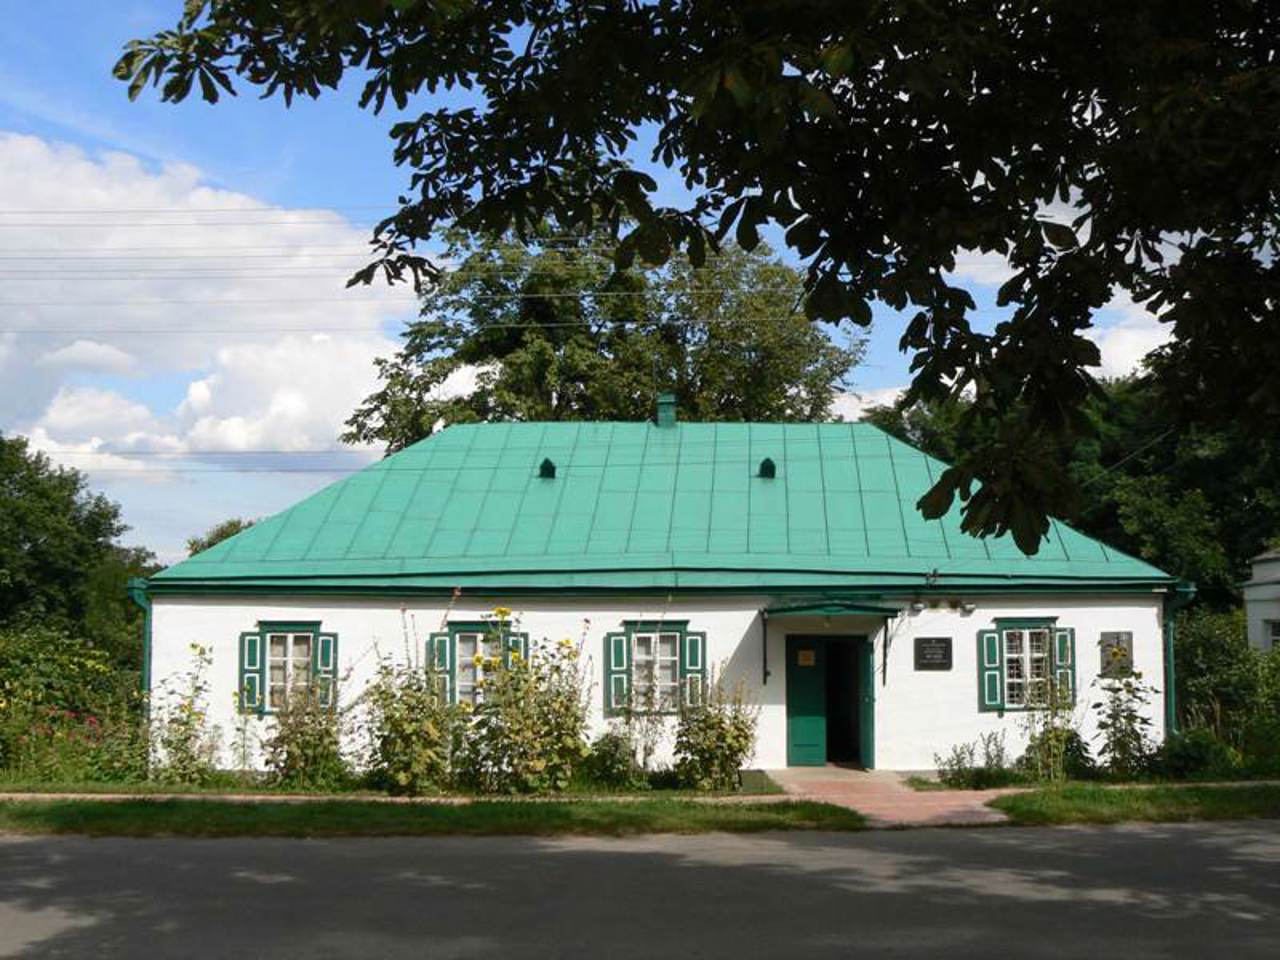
<point x="488" y="489"/>
<point x="444" y="506"/>
<point x="524" y="494"/>
<point x="897" y="494"/>
<point x="862" y="500"/>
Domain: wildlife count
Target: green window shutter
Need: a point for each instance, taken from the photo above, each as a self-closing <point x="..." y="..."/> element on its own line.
<point x="617" y="672"/>
<point x="990" y="671"/>
<point x="440" y="650"/>
<point x="515" y="643"/>
<point x="1064" y="659"/>
<point x="324" y="668"/>
<point x="252" y="671"/>
<point x="693" y="666"/>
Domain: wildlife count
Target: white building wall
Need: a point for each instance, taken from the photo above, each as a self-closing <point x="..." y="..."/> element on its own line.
<point x="918" y="714"/>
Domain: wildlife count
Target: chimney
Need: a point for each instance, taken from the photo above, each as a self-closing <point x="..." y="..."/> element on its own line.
<point x="666" y="410"/>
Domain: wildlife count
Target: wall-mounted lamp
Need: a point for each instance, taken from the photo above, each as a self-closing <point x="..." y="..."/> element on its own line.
<point x="968" y="607"/>
<point x="917" y="606"/>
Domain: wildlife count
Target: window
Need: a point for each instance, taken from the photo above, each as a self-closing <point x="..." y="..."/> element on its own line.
<point x="653" y="666"/>
<point x="1271" y="633"/>
<point x="288" y="665"/>
<point x="280" y="657"/>
<point x="460" y="654"/>
<point x="1022" y="664"/>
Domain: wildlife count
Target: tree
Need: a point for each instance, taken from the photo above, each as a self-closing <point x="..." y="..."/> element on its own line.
<point x="216" y="534"/>
<point x="1097" y="146"/>
<point x="54" y="533"/>
<point x="1198" y="504"/>
<point x="554" y="332"/>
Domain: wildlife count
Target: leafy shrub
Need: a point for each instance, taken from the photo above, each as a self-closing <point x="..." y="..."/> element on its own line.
<point x="964" y="769"/>
<point x="1057" y="753"/>
<point x="410" y="726"/>
<point x="611" y="762"/>
<point x="186" y="747"/>
<point x="1219" y="677"/>
<point x="1124" y="726"/>
<point x="715" y="737"/>
<point x="304" y="750"/>
<point x="1195" y="754"/>
<point x="527" y="732"/>
<point x="1261" y="748"/>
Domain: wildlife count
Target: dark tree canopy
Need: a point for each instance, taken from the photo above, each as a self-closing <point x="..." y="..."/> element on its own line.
<point x="884" y="138"/>
<point x="555" y="333"/>
<point x="216" y="534"/>
<point x="1198" y="503"/>
<point x="60" y="564"/>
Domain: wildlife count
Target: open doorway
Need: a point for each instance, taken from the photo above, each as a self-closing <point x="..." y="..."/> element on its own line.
<point x="844" y="728"/>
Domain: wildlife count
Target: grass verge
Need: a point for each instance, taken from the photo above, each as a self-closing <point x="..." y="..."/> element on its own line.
<point x="1090" y="803"/>
<point x="350" y="818"/>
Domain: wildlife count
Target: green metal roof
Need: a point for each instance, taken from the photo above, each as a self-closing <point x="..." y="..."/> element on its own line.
<point x="636" y="506"/>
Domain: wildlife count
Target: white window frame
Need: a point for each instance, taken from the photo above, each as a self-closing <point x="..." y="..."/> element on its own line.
<point x="1033" y="669"/>
<point x="1271" y="633"/>
<point x="289" y="662"/>
<point x="486" y="645"/>
<point x="666" y="694"/>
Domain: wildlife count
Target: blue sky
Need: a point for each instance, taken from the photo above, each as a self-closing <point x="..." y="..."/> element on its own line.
<point x="258" y="347"/>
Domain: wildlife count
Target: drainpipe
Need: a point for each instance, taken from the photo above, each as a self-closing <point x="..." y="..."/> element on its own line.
<point x="137" y="589"/>
<point x="1174" y="602"/>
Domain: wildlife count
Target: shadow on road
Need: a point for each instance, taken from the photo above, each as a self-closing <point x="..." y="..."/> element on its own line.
<point x="1184" y="890"/>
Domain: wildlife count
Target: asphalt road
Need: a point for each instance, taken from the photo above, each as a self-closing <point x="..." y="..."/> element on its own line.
<point x="1186" y="891"/>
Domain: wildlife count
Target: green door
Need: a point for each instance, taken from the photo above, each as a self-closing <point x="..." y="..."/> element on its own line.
<point x="806" y="702"/>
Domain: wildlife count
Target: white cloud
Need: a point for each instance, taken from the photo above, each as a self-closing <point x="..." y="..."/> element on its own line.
<point x="237" y="307"/>
<point x="851" y="407"/>
<point x="90" y="355"/>
<point x="1125" y="334"/>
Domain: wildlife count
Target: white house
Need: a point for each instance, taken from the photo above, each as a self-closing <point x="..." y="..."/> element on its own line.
<point x="1262" y="601"/>
<point x="788" y="556"/>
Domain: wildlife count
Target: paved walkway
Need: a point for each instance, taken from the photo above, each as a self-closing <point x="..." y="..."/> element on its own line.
<point x="886" y="800"/>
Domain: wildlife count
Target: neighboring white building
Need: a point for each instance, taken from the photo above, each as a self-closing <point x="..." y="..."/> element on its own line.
<point x="1262" y="601"/>
<point x="790" y="557"/>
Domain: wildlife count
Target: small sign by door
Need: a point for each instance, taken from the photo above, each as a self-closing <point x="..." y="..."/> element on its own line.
<point x="933" y="653"/>
<point x="806" y="658"/>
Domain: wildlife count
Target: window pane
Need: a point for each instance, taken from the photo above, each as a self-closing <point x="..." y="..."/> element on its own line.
<point x="1013" y="642"/>
<point x="1014" y="695"/>
<point x="643" y="646"/>
<point x="468" y="645"/>
<point x="277" y="673"/>
<point x="279" y="644"/>
<point x="1014" y="669"/>
<point x="1039" y="642"/>
<point x="667" y="671"/>
<point x="277" y="695"/>
<point x="669" y="645"/>
<point x="302" y="646"/>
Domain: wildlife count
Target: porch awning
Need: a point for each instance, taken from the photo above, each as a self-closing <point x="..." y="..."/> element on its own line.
<point x="830" y="607"/>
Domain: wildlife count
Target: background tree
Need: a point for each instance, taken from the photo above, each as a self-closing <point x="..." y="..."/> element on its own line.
<point x="216" y="534"/>
<point x="1197" y="503"/>
<point x="554" y="332"/>
<point x="1097" y="146"/>
<point x="60" y="564"/>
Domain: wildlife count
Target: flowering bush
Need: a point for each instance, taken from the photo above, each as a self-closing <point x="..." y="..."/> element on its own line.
<point x="612" y="762"/>
<point x="715" y="737"/>
<point x="186" y="747"/>
<point x="304" y="749"/>
<point x="410" y="726"/>
<point x="527" y="729"/>
<point x="1124" y="726"/>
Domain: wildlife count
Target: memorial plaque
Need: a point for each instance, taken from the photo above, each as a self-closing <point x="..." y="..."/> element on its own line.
<point x="1117" y="653"/>
<point x="806" y="658"/>
<point x="933" y="653"/>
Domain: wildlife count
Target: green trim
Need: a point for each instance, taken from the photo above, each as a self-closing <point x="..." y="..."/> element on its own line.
<point x="137" y="590"/>
<point x="1031" y="623"/>
<point x="832" y="606"/>
<point x="655" y="624"/>
<point x="301" y="626"/>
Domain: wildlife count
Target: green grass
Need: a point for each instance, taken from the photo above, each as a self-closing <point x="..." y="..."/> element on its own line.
<point x="1092" y="803"/>
<point x="353" y="818"/>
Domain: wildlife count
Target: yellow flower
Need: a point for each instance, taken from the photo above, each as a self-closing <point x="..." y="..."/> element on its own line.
<point x="502" y="612"/>
<point x="478" y="659"/>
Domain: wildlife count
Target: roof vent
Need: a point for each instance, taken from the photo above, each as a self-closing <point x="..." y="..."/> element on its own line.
<point x="548" y="470"/>
<point x="767" y="469"/>
<point x="666" y="414"/>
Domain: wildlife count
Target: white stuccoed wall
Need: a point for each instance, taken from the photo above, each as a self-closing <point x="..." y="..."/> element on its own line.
<point x="1261" y="604"/>
<point x="917" y="714"/>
